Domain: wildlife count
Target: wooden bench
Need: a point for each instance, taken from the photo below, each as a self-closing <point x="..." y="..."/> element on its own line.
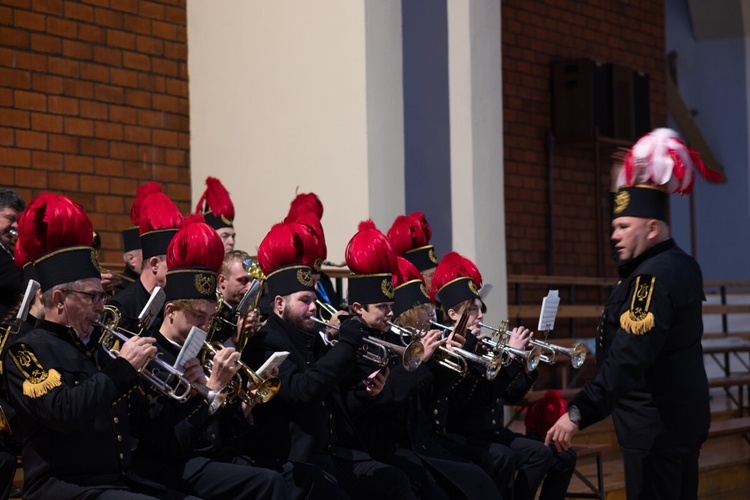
<point x="583" y="452"/>
<point x="739" y="380"/>
<point x="739" y="425"/>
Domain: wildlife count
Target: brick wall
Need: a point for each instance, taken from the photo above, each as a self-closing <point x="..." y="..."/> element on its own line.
<point x="93" y="103"/>
<point x="535" y="34"/>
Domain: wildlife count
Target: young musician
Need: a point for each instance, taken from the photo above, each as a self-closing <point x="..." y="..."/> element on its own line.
<point x="308" y="420"/>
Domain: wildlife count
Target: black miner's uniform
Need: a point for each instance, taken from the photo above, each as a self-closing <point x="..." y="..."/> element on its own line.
<point x="650" y="371"/>
<point x="307" y="420"/>
<point x="130" y="302"/>
<point x="77" y="416"/>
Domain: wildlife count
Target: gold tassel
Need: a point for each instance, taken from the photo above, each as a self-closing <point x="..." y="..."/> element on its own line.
<point x="635" y="326"/>
<point x="37" y="389"/>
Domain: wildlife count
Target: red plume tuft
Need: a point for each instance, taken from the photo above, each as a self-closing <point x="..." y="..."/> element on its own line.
<point x="196" y="244"/>
<point x="404" y="233"/>
<point x="159" y="212"/>
<point x="312" y="221"/>
<point x="406" y="272"/>
<point x="53" y="221"/>
<point x="140" y="194"/>
<point x="370" y="251"/>
<point x="216" y="200"/>
<point x="304" y="203"/>
<point x="426" y="229"/>
<point x="286" y="244"/>
<point x="452" y="266"/>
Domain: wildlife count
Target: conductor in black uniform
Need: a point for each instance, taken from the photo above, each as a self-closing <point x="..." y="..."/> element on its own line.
<point x="651" y="376"/>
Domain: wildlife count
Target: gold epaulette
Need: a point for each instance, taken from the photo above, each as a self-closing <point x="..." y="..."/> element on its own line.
<point x="38" y="380"/>
<point x="638" y="319"/>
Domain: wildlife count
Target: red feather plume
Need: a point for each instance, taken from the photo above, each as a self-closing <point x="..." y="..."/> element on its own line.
<point x="304" y="203"/>
<point x="452" y="266"/>
<point x="196" y="244"/>
<point x="406" y="272"/>
<point x="312" y="221"/>
<point x="286" y="244"/>
<point x="216" y="200"/>
<point x="140" y="194"/>
<point x="370" y="251"/>
<point x="159" y="212"/>
<point x="53" y="221"/>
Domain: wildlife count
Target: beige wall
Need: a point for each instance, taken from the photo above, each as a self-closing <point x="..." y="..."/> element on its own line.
<point x="298" y="95"/>
<point x="305" y="95"/>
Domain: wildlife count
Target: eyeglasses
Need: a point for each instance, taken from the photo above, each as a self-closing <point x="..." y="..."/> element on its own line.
<point x="95" y="297"/>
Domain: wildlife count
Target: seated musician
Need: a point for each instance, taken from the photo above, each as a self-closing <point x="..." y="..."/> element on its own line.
<point x="76" y="410"/>
<point x="307" y="421"/>
<point x="390" y="422"/>
<point x="203" y="460"/>
<point x="476" y="411"/>
<point x="159" y="220"/>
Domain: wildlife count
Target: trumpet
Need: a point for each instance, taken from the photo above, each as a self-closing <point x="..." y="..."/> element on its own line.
<point x="502" y="351"/>
<point x="377" y="350"/>
<point x="265" y="390"/>
<point x="181" y="390"/>
<point x="13" y="235"/>
<point x="577" y="354"/>
<point x="323" y="306"/>
<point x="448" y="358"/>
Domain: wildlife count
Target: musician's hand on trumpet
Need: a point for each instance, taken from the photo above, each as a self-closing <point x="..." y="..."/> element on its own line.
<point x="138" y="351"/>
<point x="225" y="365"/>
<point x="431" y="340"/>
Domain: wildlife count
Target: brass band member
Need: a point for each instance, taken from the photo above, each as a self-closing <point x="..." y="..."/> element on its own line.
<point x="197" y="463"/>
<point x="390" y="421"/>
<point x="76" y="410"/>
<point x="159" y="221"/>
<point x="307" y="420"/>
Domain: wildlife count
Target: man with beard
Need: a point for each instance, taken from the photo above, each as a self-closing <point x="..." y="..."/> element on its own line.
<point x="307" y="421"/>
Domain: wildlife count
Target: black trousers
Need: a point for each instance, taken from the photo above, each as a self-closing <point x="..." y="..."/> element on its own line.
<point x="662" y="474"/>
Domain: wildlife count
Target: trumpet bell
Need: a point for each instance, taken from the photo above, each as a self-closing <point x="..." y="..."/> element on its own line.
<point x="267" y="390"/>
<point x="578" y="356"/>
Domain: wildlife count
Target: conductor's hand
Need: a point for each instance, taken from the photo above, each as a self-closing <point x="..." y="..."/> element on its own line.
<point x="561" y="433"/>
<point x="226" y="363"/>
<point x="138" y="351"/>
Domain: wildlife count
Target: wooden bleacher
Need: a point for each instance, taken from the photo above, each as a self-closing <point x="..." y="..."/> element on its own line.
<point x="724" y="458"/>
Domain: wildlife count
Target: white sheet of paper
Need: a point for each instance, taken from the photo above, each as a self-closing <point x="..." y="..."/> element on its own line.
<point x="549" y="311"/>
<point x="153" y="306"/>
<point x="191" y="348"/>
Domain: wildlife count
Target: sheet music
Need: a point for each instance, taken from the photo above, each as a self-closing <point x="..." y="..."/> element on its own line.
<point x="248" y="298"/>
<point x="191" y="348"/>
<point x="28" y="298"/>
<point x="151" y="309"/>
<point x="549" y="311"/>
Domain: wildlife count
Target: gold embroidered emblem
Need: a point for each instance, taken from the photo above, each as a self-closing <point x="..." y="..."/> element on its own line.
<point x="622" y="200"/>
<point x="304" y="276"/>
<point x="473" y="288"/>
<point x="226" y="221"/>
<point x="387" y="288"/>
<point x="38" y="380"/>
<point x="638" y="319"/>
<point x="94" y="260"/>
<point x="431" y="255"/>
<point x="423" y="289"/>
<point x="205" y="284"/>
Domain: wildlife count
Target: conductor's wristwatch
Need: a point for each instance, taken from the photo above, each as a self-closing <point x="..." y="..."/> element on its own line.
<point x="574" y="414"/>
